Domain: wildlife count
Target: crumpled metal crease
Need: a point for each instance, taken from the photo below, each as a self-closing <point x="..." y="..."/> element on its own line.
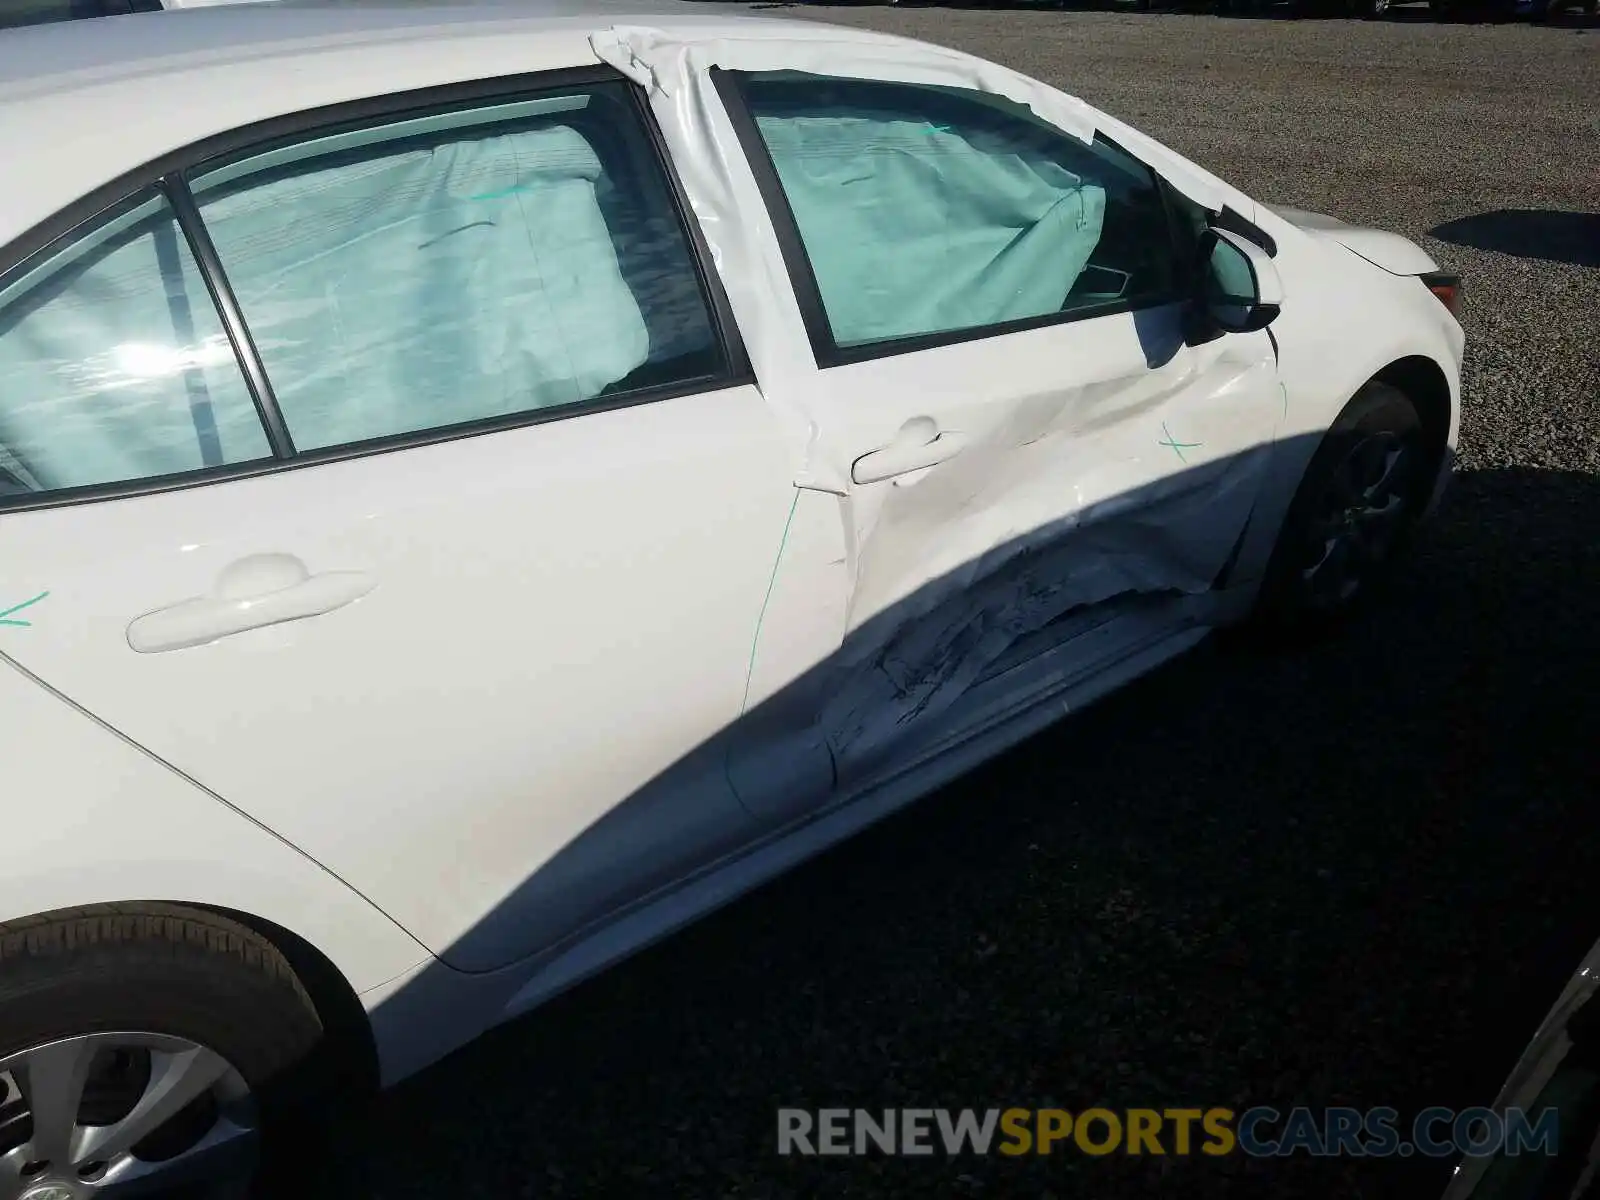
<point x="919" y="665"/>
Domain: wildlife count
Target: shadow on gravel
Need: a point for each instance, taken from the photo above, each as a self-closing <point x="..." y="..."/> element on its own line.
<point x="1356" y="874"/>
<point x="1565" y="237"/>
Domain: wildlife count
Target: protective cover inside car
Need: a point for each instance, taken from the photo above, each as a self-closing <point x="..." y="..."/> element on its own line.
<point x="388" y="289"/>
<point x="114" y="366"/>
<point x="422" y="269"/>
<point x="939" y="234"/>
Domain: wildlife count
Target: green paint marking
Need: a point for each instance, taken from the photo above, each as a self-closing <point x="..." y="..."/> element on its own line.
<point x="6" y="613"/>
<point x="503" y="192"/>
<point x="750" y="669"/>
<point x="1177" y="447"/>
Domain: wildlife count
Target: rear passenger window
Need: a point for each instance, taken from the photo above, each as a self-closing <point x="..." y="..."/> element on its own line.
<point x="114" y="366"/>
<point x="928" y="211"/>
<point x="460" y="268"/>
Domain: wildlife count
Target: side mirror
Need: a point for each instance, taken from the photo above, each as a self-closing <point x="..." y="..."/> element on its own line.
<point x="1240" y="291"/>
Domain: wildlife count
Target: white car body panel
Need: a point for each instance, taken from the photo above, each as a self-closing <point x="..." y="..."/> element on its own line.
<point x="532" y="826"/>
<point x="92" y="819"/>
<point x="423" y="1015"/>
<point x="932" y="547"/>
<point x="1396" y="254"/>
<point x="1382" y="319"/>
<point x="449" y="726"/>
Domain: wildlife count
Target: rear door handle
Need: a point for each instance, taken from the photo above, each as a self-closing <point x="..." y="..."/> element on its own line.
<point x="264" y="589"/>
<point x="918" y="444"/>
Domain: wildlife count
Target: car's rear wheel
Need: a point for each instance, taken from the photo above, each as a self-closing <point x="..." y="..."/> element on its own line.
<point x="140" y="1051"/>
<point x="1352" y="516"/>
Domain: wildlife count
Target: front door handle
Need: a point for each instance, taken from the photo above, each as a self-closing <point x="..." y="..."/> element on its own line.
<point x="918" y="444"/>
<point x="263" y="589"/>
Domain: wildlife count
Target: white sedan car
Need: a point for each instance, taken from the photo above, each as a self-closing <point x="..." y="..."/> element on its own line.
<point x="480" y="489"/>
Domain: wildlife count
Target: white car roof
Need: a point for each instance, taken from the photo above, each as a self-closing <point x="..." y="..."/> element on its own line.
<point x="84" y="102"/>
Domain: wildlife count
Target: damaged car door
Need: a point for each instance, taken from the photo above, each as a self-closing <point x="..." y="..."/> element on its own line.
<point x="1034" y="457"/>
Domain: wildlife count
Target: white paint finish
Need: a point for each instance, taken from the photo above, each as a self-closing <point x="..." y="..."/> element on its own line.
<point x="805" y="612"/>
<point x="255" y="61"/>
<point x="91" y="819"/>
<point x="1352" y="320"/>
<point x="560" y="613"/>
<point x="664" y="60"/>
<point x="672" y="63"/>
<point x="247" y="596"/>
<point x="1065" y="496"/>
<point x="802" y="625"/>
<point x="179" y="4"/>
<point x="670" y="60"/>
<point x="424" y="1015"/>
<point x="1070" y="459"/>
<point x="1394" y="253"/>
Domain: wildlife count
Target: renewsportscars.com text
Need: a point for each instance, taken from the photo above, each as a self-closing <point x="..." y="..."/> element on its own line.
<point x="1259" y="1132"/>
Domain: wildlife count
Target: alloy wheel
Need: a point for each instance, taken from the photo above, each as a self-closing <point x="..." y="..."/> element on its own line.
<point x="105" y="1115"/>
<point x="1359" y="521"/>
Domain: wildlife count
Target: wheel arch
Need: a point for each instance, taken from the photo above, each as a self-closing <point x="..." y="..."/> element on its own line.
<point x="1419" y="376"/>
<point x="1425" y="384"/>
<point x="347" y="1060"/>
<point x="344" y="1064"/>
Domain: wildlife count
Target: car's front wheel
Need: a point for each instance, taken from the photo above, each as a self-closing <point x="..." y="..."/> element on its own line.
<point x="138" y="1049"/>
<point x="1352" y="514"/>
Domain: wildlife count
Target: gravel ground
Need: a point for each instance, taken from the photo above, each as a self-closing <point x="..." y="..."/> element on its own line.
<point x="1357" y="874"/>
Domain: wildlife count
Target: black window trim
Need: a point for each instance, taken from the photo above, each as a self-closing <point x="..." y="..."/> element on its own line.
<point x="166" y="177"/>
<point x="802" y="276"/>
<point x="181" y="200"/>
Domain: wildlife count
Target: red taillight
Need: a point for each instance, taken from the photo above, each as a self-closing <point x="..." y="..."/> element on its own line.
<point x="1447" y="288"/>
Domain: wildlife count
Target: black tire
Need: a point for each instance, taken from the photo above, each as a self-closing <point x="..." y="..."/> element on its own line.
<point x="1293" y="599"/>
<point x="160" y="970"/>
